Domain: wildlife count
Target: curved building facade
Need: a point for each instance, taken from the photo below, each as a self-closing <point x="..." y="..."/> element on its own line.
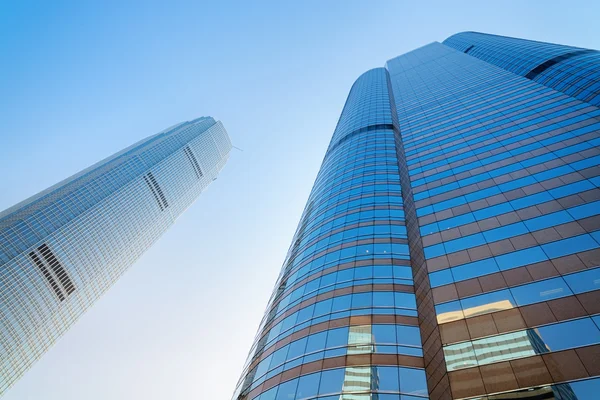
<point x="571" y="70"/>
<point x="61" y="249"/>
<point x="450" y="247"/>
<point x="343" y="320"/>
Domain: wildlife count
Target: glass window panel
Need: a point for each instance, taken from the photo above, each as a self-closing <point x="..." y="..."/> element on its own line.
<point x="297" y="348"/>
<point x="382" y="271"/>
<point x="385" y="379"/>
<point x="410" y="351"/>
<point x="505" y="347"/>
<point x="405" y="300"/>
<point x="279" y="356"/>
<point x="461" y="355"/>
<point x="581" y="332"/>
<point x="569" y="246"/>
<point x="388" y="396"/>
<point x="540" y="291"/>
<point x="331" y="381"/>
<point x="306" y="313"/>
<point x="308" y="386"/>
<point x="287" y="390"/>
<point x="402" y="272"/>
<point x="337" y="337"/>
<point x="363" y="273"/>
<point x="474" y="269"/>
<point x="269" y="394"/>
<point x="323" y="307"/>
<point x="408" y="335"/>
<point x="386" y="349"/>
<point x="341" y="303"/>
<point x="487" y="303"/>
<point x="450" y="311"/>
<point x="522" y="257"/>
<point x="412" y="381"/>
<point x="316" y="342"/>
<point x="384" y="334"/>
<point x="584" y="281"/>
<point x="313" y="357"/>
<point x="596" y="320"/>
<point x="440" y="278"/>
<point x="362" y="300"/>
<point x="587" y="389"/>
<point x="383" y="299"/>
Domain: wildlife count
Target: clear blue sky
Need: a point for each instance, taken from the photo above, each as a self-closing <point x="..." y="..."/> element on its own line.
<point x="80" y="81"/>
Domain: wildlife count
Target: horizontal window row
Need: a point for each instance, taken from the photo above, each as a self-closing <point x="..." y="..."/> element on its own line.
<point x="512" y="205"/>
<point x="511" y="185"/>
<point x="530" y="293"/>
<point x="350" y="171"/>
<point x="267" y="338"/>
<point x="489" y="134"/>
<point x="528" y="106"/>
<point x="524" y="343"/>
<point x="512" y="97"/>
<point x="516" y="138"/>
<point x="345" y="208"/>
<point x="308" y="269"/>
<point x="369" y="227"/>
<point x="486" y="101"/>
<point x="327" y="206"/>
<point x="354" y="152"/>
<point x="377" y="274"/>
<point x="518" y="131"/>
<point x="515" y="259"/>
<point x="346" y="156"/>
<point x="515" y="229"/>
<point x="339" y="286"/>
<point x="477" y="163"/>
<point x="326" y="201"/>
<point x="504" y="141"/>
<point x="367" y="379"/>
<point x="361" y="252"/>
<point x="360" y="339"/>
<point x="338" y="176"/>
<point x="353" y="301"/>
<point x="507" y="169"/>
<point x="352" y="235"/>
<point x="335" y="186"/>
<point x="350" y="165"/>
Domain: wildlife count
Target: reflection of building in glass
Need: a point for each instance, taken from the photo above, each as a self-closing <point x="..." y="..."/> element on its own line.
<point x="360" y="340"/>
<point x="61" y="249"/>
<point x="359" y="380"/>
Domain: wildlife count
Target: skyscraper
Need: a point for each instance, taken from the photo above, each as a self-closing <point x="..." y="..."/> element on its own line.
<point x="61" y="249"/>
<point x="451" y="242"/>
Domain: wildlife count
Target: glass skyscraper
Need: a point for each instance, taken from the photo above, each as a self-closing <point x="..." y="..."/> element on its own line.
<point x="450" y="247"/>
<point x="61" y="249"/>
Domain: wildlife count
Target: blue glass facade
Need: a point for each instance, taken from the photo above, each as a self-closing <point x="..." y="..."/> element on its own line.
<point x="570" y="70"/>
<point x="450" y="247"/>
<point x="63" y="248"/>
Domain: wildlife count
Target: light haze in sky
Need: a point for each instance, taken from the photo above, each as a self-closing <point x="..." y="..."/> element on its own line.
<point x="81" y="80"/>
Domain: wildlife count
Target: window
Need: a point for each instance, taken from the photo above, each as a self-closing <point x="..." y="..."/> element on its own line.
<point x="385" y="379"/>
<point x="308" y="386"/>
<point x="540" y="291"/>
<point x="412" y="381"/>
<point x="584" y="281"/>
<point x="331" y="381"/>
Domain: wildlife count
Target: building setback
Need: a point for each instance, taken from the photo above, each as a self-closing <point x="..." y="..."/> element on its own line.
<point x="450" y="247"/>
<point x="61" y="249"/>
